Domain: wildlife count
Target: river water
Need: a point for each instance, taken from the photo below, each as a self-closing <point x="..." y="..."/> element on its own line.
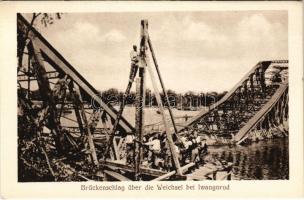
<point x="263" y="160"/>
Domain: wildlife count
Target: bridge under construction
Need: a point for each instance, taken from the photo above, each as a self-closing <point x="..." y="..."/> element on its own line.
<point x="90" y="142"/>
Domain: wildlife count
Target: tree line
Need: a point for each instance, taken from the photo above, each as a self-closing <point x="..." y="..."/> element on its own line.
<point x="185" y="100"/>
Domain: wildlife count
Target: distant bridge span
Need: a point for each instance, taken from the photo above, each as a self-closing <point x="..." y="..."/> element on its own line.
<point x="257" y="104"/>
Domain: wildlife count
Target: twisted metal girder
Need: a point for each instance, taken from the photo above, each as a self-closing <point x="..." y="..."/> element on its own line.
<point x="61" y="66"/>
<point x="240" y="110"/>
<point x="47" y="83"/>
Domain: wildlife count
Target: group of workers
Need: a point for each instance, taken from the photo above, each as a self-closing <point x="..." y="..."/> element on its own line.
<point x="188" y="146"/>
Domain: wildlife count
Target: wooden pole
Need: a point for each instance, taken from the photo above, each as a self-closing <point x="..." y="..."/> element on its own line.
<point x="119" y="114"/>
<point x="46" y="92"/>
<point x="76" y="110"/>
<point x="116" y="175"/>
<point x="118" y="117"/>
<point x="181" y="102"/>
<point x="162" y="84"/>
<point x="141" y="94"/>
<point x="88" y="130"/>
<point x="137" y="128"/>
<point x="168" y="132"/>
<point x="286" y="105"/>
<point x="29" y="77"/>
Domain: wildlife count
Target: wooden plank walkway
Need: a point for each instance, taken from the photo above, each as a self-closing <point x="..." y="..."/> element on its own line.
<point x="120" y="165"/>
<point x="207" y="172"/>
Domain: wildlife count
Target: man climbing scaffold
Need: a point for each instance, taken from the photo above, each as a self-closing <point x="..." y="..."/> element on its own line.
<point x="139" y="62"/>
<point x="134" y="68"/>
<point x="134" y="63"/>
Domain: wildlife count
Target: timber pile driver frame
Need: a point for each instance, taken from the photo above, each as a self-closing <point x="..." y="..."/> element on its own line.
<point x="144" y="63"/>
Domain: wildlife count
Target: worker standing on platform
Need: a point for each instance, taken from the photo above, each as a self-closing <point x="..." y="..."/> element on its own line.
<point x="134" y="63"/>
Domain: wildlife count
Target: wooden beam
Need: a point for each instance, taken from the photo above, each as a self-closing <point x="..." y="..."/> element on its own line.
<point x="161" y="108"/>
<point x="46" y="92"/>
<point x="165" y="176"/>
<point x="162" y="84"/>
<point x="29" y="77"/>
<point x="104" y="123"/>
<point x="85" y="121"/>
<point x="118" y="117"/>
<point x="116" y="175"/>
<point x="116" y="150"/>
<point x="120" y="143"/>
<point x="141" y="96"/>
<point x="85" y="178"/>
<point x="122" y="166"/>
<point x="76" y="110"/>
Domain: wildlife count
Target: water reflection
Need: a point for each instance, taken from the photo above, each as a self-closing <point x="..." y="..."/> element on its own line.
<point x="265" y="160"/>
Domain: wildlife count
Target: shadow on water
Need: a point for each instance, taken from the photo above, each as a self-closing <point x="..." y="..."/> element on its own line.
<point x="264" y="160"/>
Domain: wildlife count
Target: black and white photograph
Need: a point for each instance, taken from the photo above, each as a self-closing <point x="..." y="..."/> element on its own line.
<point x="155" y="96"/>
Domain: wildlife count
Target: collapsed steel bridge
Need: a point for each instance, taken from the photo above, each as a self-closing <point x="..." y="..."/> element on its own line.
<point x="49" y="87"/>
<point x="255" y="108"/>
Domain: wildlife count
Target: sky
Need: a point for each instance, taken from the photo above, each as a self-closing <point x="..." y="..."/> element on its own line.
<point x="197" y="51"/>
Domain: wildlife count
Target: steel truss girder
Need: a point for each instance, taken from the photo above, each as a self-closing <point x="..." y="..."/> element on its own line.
<point x="54" y="58"/>
<point x="261" y="114"/>
<point x="251" y="94"/>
